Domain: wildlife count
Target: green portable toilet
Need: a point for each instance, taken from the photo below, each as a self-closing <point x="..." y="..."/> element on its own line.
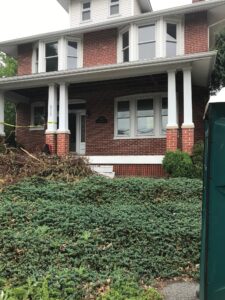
<point x="212" y="283"/>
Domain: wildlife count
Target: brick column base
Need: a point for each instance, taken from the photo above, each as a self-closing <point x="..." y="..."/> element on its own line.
<point x="171" y="139"/>
<point x="187" y="140"/>
<point x="63" y="144"/>
<point x="50" y="139"/>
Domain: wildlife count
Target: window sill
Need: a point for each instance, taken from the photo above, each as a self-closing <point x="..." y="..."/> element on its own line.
<point x="85" y="22"/>
<point x="37" y="128"/>
<point x="139" y="137"/>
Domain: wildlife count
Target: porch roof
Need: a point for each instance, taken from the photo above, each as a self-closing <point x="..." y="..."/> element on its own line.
<point x="201" y="64"/>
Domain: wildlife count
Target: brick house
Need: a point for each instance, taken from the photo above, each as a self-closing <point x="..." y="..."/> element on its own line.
<point x="121" y="86"/>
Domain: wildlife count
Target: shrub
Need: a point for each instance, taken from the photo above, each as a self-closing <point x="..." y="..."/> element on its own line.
<point x="178" y="164"/>
<point x="197" y="158"/>
<point x="77" y="234"/>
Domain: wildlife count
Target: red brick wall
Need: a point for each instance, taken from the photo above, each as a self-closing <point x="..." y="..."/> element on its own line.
<point x="196" y="32"/>
<point x="139" y="170"/>
<point x="25" y="59"/>
<point x="32" y="140"/>
<point x="100" y="48"/>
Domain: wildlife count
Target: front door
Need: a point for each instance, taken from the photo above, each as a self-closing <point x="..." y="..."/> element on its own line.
<point x="77" y="126"/>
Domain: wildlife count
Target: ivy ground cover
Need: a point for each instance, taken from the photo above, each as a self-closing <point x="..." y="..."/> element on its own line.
<point x="82" y="238"/>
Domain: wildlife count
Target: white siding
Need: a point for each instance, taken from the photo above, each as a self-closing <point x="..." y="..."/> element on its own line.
<point x="137" y="9"/>
<point x="99" y="11"/>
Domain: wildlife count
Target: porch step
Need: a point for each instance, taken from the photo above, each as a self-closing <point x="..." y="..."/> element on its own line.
<point x="106" y="171"/>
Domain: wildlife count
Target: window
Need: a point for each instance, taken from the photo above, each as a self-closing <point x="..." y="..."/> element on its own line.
<point x="164" y="114"/>
<point x="36" y="57"/>
<point x="114" y="7"/>
<point x="125" y="46"/>
<point x="38" y="116"/>
<point x="51" y="53"/>
<point x="171" y="40"/>
<point x="145" y="117"/>
<point x="141" y="116"/>
<point x="146" y="42"/>
<point x="72" y="56"/>
<point x="86" y="11"/>
<point x="123" y="118"/>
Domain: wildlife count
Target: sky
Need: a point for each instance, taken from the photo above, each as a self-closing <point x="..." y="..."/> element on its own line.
<point x="20" y="18"/>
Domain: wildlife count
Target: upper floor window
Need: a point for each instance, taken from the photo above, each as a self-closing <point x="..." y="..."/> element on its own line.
<point x="114" y="7"/>
<point x="36" y="59"/>
<point x="51" y="55"/>
<point x="86" y="10"/>
<point x="171" y="39"/>
<point x="125" y="46"/>
<point x="72" y="55"/>
<point x="147" y="41"/>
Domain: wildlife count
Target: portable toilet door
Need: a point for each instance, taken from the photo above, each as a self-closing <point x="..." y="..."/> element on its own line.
<point x="212" y="283"/>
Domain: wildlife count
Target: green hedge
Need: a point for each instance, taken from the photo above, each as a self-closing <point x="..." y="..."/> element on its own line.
<point x="80" y="235"/>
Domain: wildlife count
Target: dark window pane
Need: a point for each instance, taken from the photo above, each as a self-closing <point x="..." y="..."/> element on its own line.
<point x="114" y="9"/>
<point x="52" y="49"/>
<point x="126" y="55"/>
<point x="146" y="33"/>
<point x="71" y="63"/>
<point x="164" y="106"/>
<point x="86" y="5"/>
<point x="171" y="49"/>
<point x="123" y="109"/>
<point x="39" y="116"/>
<point x="114" y="1"/>
<point x="147" y="51"/>
<point x="72" y="49"/>
<point x="86" y="15"/>
<point x="145" y="107"/>
<point x="171" y="32"/>
<point x="52" y="64"/>
<point x="123" y="126"/>
<point x="145" y="125"/>
<point x="125" y="39"/>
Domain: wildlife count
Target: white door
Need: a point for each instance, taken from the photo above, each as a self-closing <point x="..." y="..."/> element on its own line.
<point x="77" y="126"/>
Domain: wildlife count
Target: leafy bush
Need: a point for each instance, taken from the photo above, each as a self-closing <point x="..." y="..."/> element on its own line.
<point x="78" y="235"/>
<point x="197" y="158"/>
<point x="178" y="164"/>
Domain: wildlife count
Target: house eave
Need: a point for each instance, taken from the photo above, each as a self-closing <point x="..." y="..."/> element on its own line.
<point x="64" y="4"/>
<point x="10" y="47"/>
<point x="110" y="72"/>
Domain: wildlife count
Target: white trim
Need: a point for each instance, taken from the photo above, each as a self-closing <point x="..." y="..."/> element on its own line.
<point x="133" y="118"/>
<point x="126" y="160"/>
<point x="79" y="51"/>
<point x="35" y="63"/>
<point x="114" y="4"/>
<point x="85" y="10"/>
<point x="2" y="114"/>
<point x="52" y="109"/>
<point x="63" y="108"/>
<point x="120" y="43"/>
<point x="188" y="107"/>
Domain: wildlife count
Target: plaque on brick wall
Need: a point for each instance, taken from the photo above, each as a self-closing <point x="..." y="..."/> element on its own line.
<point x="101" y="120"/>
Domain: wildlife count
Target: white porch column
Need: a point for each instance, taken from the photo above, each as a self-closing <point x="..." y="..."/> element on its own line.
<point x="2" y="114"/>
<point x="188" y="110"/>
<point x="172" y="100"/>
<point x="52" y="109"/>
<point x="172" y="126"/>
<point x="63" y="109"/>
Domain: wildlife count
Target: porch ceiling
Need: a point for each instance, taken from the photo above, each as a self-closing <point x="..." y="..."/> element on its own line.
<point x="201" y="64"/>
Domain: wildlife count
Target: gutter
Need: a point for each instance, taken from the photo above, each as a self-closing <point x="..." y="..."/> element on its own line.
<point x="115" y="71"/>
<point x="198" y="6"/>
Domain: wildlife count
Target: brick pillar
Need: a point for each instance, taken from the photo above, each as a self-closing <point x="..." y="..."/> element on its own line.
<point x="50" y="139"/>
<point x="171" y="139"/>
<point x="63" y="144"/>
<point x="187" y="139"/>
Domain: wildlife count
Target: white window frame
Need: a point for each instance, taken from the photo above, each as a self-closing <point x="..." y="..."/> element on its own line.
<point x="145" y="24"/>
<point x="120" y="44"/>
<point x="45" y="58"/>
<point x="157" y="104"/>
<point x="85" y="10"/>
<point x="35" y="62"/>
<point x="180" y="35"/>
<point x="114" y="4"/>
<point x="33" y="106"/>
<point x="79" y="52"/>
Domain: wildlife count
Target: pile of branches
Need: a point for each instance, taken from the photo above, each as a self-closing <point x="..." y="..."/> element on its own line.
<point x="19" y="164"/>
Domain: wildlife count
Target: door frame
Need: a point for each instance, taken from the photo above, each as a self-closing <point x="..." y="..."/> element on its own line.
<point x="79" y="113"/>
